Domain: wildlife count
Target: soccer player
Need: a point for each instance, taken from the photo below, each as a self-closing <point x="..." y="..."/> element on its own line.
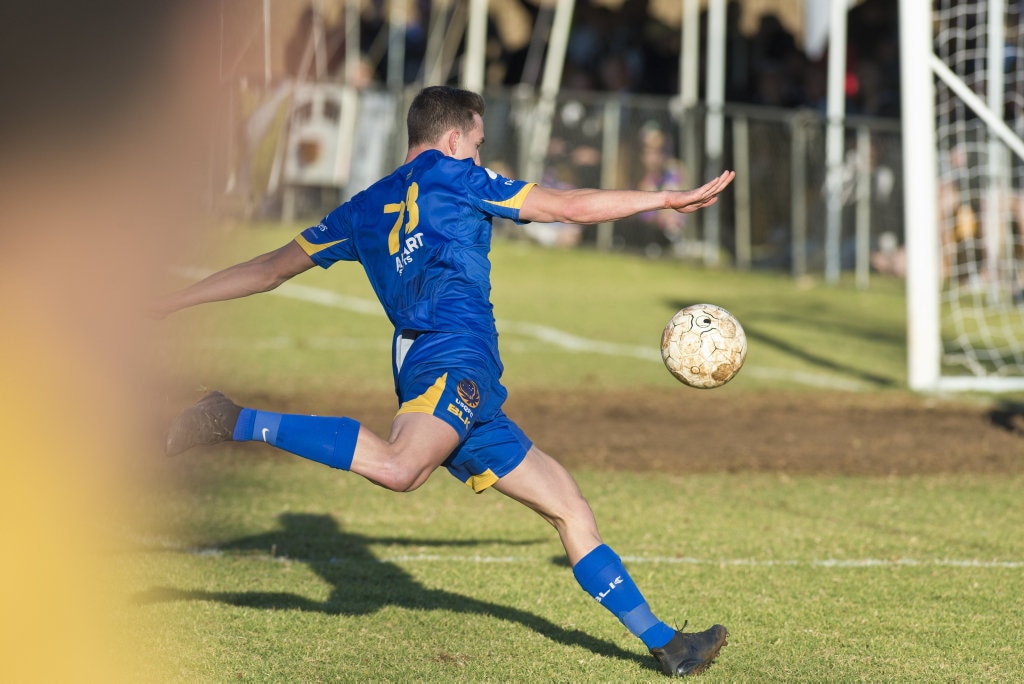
<point x="422" y="234"/>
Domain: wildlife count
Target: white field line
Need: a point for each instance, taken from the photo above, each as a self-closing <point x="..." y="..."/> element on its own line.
<point x="728" y="562"/>
<point x="145" y="542"/>
<point x="476" y="559"/>
<point x="542" y="333"/>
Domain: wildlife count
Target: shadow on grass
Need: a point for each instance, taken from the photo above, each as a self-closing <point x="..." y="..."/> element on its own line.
<point x="758" y="336"/>
<point x="818" y="360"/>
<point x="1009" y="416"/>
<point x="361" y="583"/>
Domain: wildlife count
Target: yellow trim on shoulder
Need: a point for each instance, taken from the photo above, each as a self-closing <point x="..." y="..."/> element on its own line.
<point x="516" y="201"/>
<point x="311" y="248"/>
<point x="482" y="481"/>
<point x="426" y="402"/>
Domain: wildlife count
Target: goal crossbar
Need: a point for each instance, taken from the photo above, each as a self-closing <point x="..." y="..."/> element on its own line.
<point x="977" y="105"/>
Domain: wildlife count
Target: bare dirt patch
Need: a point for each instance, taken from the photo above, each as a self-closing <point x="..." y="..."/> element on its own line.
<point x="682" y="430"/>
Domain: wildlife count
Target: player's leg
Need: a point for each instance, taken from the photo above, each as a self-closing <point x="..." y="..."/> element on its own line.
<point x="417" y="445"/>
<point x="544" y="485"/>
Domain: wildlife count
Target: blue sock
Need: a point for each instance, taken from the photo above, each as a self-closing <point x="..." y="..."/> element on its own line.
<point x="603" y="576"/>
<point x="324" y="439"/>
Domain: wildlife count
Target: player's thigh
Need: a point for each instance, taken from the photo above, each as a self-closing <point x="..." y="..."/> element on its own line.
<point x="423" y="436"/>
<point x="417" y="445"/>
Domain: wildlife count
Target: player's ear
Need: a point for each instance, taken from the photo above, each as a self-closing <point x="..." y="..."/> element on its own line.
<point x="452" y="141"/>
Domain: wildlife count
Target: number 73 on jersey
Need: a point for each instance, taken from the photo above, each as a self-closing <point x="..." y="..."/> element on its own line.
<point x="409" y="215"/>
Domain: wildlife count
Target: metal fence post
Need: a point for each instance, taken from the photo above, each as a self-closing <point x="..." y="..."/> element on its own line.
<point x="863" y="219"/>
<point x="741" y="162"/>
<point x="798" y="197"/>
<point x="612" y="124"/>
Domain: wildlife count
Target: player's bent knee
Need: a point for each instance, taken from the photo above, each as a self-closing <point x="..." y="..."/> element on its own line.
<point x="396" y="481"/>
<point x="400" y="477"/>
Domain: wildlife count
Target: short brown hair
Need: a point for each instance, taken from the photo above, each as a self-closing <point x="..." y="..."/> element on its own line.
<point x="437" y="109"/>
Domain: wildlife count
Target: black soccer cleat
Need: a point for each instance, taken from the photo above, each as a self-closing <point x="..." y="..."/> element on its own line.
<point x="692" y="653"/>
<point x="210" y="420"/>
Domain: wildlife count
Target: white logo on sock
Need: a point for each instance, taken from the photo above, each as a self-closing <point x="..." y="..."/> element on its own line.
<point x="611" y="585"/>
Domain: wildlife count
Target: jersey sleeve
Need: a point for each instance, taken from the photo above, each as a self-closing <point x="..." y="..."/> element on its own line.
<point x="331" y="239"/>
<point x="496" y="195"/>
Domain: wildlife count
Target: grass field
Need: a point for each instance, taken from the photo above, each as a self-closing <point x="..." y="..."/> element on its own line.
<point x="801" y="335"/>
<point x="243" y="564"/>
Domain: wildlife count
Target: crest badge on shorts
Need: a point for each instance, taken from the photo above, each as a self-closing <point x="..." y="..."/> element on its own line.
<point x="468" y="392"/>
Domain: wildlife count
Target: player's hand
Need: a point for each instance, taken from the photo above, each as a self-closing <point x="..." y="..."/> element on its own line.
<point x="687" y="201"/>
<point x="155" y="313"/>
<point x="159" y="308"/>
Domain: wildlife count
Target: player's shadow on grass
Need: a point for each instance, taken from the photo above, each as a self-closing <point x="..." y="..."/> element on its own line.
<point x="361" y="583"/>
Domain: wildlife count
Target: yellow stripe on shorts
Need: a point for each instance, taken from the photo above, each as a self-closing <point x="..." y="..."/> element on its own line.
<point x="482" y="481"/>
<point x="426" y="402"/>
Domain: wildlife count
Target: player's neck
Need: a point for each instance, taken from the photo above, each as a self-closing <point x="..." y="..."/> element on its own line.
<point x="420" y="149"/>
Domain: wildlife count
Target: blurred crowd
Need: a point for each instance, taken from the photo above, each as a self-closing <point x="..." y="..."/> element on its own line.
<point x="629" y="50"/>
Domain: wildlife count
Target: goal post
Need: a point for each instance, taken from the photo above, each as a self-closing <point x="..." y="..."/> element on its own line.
<point x="920" y="180"/>
<point x="962" y="65"/>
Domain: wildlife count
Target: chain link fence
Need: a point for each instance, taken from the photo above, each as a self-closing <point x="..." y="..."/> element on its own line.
<point x="773" y="217"/>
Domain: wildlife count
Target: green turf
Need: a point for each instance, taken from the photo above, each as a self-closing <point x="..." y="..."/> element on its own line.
<point x="242" y="565"/>
<point x="801" y="335"/>
<point x="268" y="569"/>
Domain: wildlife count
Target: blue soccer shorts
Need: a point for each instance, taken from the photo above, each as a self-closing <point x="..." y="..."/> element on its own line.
<point x="456" y="378"/>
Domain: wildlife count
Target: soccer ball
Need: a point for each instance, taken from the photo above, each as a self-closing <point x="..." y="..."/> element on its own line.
<point x="703" y="346"/>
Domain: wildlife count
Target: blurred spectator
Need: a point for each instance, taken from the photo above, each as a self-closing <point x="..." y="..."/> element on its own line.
<point x="661" y="171"/>
<point x="779" y="65"/>
<point x="738" y="63"/>
<point x="629" y="50"/>
<point x="658" y="169"/>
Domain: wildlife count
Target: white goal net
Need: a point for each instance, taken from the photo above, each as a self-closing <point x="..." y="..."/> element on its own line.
<point x="964" y="89"/>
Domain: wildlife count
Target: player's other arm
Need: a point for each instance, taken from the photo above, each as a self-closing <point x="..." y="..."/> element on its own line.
<point x="546" y="205"/>
<point x="259" y="274"/>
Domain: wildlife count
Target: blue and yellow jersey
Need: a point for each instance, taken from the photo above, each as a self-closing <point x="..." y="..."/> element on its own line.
<point x="423" y="234"/>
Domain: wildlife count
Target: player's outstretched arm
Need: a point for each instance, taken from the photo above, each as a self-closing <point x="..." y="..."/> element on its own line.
<point x="259" y="274"/>
<point x="546" y="205"/>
